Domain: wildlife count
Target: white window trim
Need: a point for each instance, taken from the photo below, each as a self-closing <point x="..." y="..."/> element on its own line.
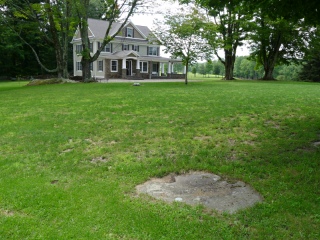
<point x="78" y="49"/>
<point x="105" y="48"/>
<point x="78" y="66"/>
<point x="141" y="68"/>
<point x="102" y="66"/>
<point x="116" y="66"/>
<point x="127" y="32"/>
<point x="136" y="48"/>
<point x="152" y="51"/>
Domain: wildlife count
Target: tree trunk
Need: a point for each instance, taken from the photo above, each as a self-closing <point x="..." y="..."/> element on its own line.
<point x="186" y="75"/>
<point x="60" y="42"/>
<point x="270" y="58"/>
<point x="268" y="71"/>
<point x="86" y="73"/>
<point x="86" y="58"/>
<point x="229" y="65"/>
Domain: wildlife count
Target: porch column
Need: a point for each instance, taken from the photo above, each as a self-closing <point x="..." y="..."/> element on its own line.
<point x="150" y="69"/>
<point x="169" y="70"/>
<point x="184" y="69"/>
<point x="162" y="69"/>
<point x="138" y="71"/>
<point x="124" y="68"/>
<point x="172" y="68"/>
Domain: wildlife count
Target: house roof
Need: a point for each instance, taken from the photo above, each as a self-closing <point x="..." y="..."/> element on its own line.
<point x="130" y="54"/>
<point x="99" y="28"/>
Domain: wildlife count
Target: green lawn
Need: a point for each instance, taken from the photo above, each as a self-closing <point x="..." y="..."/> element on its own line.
<point x="72" y="154"/>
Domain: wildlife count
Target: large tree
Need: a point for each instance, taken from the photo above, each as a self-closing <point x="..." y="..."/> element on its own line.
<point x="16" y="58"/>
<point x="52" y="18"/>
<point x="311" y="63"/>
<point x="181" y="35"/>
<point x="276" y="41"/>
<point x="226" y="29"/>
<point x="53" y="23"/>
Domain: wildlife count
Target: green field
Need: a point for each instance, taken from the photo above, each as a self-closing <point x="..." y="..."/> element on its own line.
<point x="72" y="154"/>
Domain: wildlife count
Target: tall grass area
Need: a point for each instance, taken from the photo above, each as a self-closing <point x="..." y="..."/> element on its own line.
<point x="72" y="154"/>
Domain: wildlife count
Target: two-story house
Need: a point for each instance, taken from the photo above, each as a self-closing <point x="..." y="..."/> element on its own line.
<point x="130" y="54"/>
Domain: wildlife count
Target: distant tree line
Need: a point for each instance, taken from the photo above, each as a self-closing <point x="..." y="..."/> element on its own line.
<point x="245" y="68"/>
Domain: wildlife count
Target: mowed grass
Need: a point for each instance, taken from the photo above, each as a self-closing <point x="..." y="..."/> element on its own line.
<point x="72" y="154"/>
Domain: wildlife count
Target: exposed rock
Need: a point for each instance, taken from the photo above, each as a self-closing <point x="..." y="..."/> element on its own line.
<point x="202" y="188"/>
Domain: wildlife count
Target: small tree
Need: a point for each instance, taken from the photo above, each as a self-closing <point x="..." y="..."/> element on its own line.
<point x="194" y="70"/>
<point x="181" y="35"/>
<point x="209" y="67"/>
<point x="202" y="69"/>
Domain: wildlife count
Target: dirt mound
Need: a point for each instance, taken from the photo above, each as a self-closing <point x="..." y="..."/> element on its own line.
<point x="202" y="188"/>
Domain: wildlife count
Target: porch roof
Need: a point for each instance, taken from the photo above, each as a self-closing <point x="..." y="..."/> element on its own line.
<point x="130" y="54"/>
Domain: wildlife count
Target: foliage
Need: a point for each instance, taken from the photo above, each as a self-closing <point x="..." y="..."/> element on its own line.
<point x="276" y="41"/>
<point x="245" y="68"/>
<point x="69" y="168"/>
<point x="292" y="11"/>
<point x="311" y="64"/>
<point x="50" y="23"/>
<point x="181" y="35"/>
<point x="194" y="70"/>
<point x="225" y="29"/>
<point x="16" y="58"/>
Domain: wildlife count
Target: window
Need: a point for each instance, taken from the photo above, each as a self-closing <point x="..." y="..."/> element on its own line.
<point x="91" y="66"/>
<point x="78" y="48"/>
<point x="144" y="67"/>
<point x="153" y="51"/>
<point x="107" y="48"/>
<point x="79" y="66"/>
<point x="135" y="48"/>
<point x="91" y="47"/>
<point x="125" y="47"/>
<point x="114" y="65"/>
<point x="100" y="66"/>
<point x="129" y="32"/>
<point x="155" y="68"/>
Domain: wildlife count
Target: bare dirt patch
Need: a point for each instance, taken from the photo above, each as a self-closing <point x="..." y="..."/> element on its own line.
<point x="202" y="188"/>
<point x="6" y="213"/>
<point x="316" y="144"/>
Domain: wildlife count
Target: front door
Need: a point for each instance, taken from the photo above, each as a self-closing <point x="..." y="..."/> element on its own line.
<point x="129" y="67"/>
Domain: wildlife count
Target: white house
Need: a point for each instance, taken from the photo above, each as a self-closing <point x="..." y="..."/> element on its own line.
<point x="129" y="55"/>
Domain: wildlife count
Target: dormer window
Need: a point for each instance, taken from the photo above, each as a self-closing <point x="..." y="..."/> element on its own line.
<point x="129" y="32"/>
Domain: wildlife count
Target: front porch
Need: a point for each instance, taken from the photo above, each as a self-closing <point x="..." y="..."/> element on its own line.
<point x="129" y="65"/>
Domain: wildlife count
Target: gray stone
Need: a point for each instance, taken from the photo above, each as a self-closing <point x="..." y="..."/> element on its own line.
<point x="202" y="188"/>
